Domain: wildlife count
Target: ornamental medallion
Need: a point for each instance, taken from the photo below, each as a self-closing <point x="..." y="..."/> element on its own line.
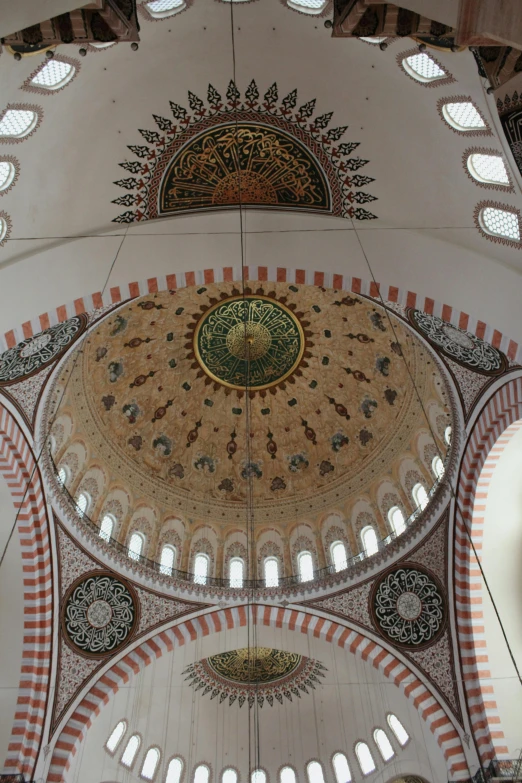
<point x="249" y="342"/>
<point x="33" y="354"/>
<point x="99" y="614"/>
<point x="408" y="607"/>
<point x="463" y="347"/>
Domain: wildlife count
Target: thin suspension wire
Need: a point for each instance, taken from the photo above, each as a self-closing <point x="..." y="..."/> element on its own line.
<point x="452" y="491"/>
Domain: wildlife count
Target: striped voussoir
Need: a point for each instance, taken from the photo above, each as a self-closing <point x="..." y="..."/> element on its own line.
<point x="263" y="274"/>
<point x="494" y="428"/>
<point x="16" y="465"/>
<point x="184" y="632"/>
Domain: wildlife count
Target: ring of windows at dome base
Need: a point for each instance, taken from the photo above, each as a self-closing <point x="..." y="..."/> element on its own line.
<point x="342" y="771"/>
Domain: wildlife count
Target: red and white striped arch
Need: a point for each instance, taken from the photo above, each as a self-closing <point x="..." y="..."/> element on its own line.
<point x="269" y="274"/>
<point x="185" y="631"/>
<point x="494" y="428"/>
<point x="18" y="467"/>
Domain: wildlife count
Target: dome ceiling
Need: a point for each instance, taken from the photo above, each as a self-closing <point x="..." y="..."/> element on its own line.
<point x="160" y="394"/>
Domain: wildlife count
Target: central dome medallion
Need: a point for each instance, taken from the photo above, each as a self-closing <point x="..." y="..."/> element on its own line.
<point x="249" y="342"/>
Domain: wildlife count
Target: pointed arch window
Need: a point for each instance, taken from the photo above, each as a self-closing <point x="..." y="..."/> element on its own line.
<point x="202" y="774"/>
<point x="423" y="68"/>
<point x="365" y="758"/>
<point x="106" y="527"/>
<point x="7" y="174"/>
<point x="82" y="503"/>
<point x="174" y="770"/>
<point x="384" y="744"/>
<point x="287" y="775"/>
<point x="437" y="467"/>
<point x="314" y="772"/>
<point x="54" y="75"/>
<point x="369" y="540"/>
<point x="305" y="566"/>
<point x="420" y="496"/>
<point x="341" y="768"/>
<point x="17" y="123"/>
<point x="150" y="764"/>
<point x="463" y="116"/>
<point x="136" y="546"/>
<point x="396" y="520"/>
<point x="116" y="736"/>
<point x="167" y="559"/>
<point x="162" y="9"/>
<point x="229" y="776"/>
<point x="236" y="573"/>
<point x="131" y="749"/>
<point x="201" y="568"/>
<point x="338" y="555"/>
<point x="398" y="729"/>
<point x="258" y="776"/>
<point x="501" y="223"/>
<point x="271" y="569"/>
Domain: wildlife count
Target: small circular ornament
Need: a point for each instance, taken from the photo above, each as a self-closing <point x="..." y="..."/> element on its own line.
<point x="99" y="614"/>
<point x="408" y="607"/>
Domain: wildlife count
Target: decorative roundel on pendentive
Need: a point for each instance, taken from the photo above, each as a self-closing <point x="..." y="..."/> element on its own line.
<point x="31" y="355"/>
<point x="408" y="607"/>
<point x="463" y="347"/>
<point x="99" y="614"/>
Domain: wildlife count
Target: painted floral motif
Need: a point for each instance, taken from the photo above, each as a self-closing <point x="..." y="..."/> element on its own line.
<point x="251" y="470"/>
<point x="131" y="411"/>
<point x="226" y="485"/>
<point x="120" y="324"/>
<point x="277" y="484"/>
<point x="383" y="365"/>
<point x="326" y="467"/>
<point x="368" y="406"/>
<point x="33" y="354"/>
<point x="115" y="370"/>
<point x="339" y="440"/>
<point x="297" y="462"/>
<point x="205" y="463"/>
<point x="163" y="445"/>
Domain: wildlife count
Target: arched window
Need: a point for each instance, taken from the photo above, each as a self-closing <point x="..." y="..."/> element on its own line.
<point x="447" y="435"/>
<point x="365" y="758"/>
<point x="271" y="568"/>
<point x="132" y="747"/>
<point x="500" y="223"/>
<point x="338" y="555"/>
<point x="167" y="559"/>
<point x="7" y="174"/>
<point x="437" y="467"/>
<point x="150" y="763"/>
<point x="17" y="123"/>
<point x="463" y="116"/>
<point x="4" y="228"/>
<point x="201" y="774"/>
<point x="201" y="568"/>
<point x="396" y="520"/>
<point x="369" y="540"/>
<point x="420" y="496"/>
<point x="423" y="68"/>
<point x="312" y="7"/>
<point x="384" y="744"/>
<point x="236" y="572"/>
<point x="116" y="736"/>
<point x="82" y="503"/>
<point x="305" y="566"/>
<point x="489" y="169"/>
<point x="287" y="775"/>
<point x="162" y="9"/>
<point x="53" y="75"/>
<point x="135" y="546"/>
<point x="62" y="476"/>
<point x="103" y="45"/>
<point x="398" y="729"/>
<point x="258" y="776"/>
<point x="314" y="772"/>
<point x="229" y="776"/>
<point x="174" y="770"/>
<point x="376" y="40"/>
<point x="106" y="527"/>
<point x="341" y="768"/>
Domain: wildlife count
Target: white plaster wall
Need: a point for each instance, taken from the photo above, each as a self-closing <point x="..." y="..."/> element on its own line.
<point x="502" y="558"/>
<point x="11" y="618"/>
<point x="353" y="699"/>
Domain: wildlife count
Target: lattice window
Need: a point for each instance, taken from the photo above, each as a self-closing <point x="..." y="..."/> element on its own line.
<point x="236" y="572"/>
<point x="384" y="744"/>
<point x="167" y="559"/>
<point x="161" y="9"/>
<point x="150" y="764"/>
<point x="17" y="123"/>
<point x="131" y="749"/>
<point x="376" y="41"/>
<point x="271" y="569"/>
<point x="62" y="476"/>
<point x="82" y="503"/>
<point x="369" y="540"/>
<point x="174" y="770"/>
<point x="312" y="7"/>
<point x="201" y="568"/>
<point x="338" y="555"/>
<point x="398" y="729"/>
<point x="116" y="736"/>
<point x="423" y="68"/>
<point x="305" y="566"/>
<point x="489" y="169"/>
<point x="7" y="174"/>
<point x="420" y="496"/>
<point x="135" y="546"/>
<point x="437" y="467"/>
<point x="396" y="520"/>
<point x="341" y="768"/>
<point x="500" y="223"/>
<point x="106" y="527"/>
<point x="365" y="758"/>
<point x="314" y="772"/>
<point x="447" y="435"/>
<point x="54" y="75"/>
<point x="463" y="116"/>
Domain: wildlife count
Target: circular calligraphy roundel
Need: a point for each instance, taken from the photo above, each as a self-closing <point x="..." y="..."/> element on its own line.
<point x="33" y="354"/>
<point x="408" y="607"/>
<point x="463" y="347"/>
<point x="99" y="614"/>
<point x="249" y="342"/>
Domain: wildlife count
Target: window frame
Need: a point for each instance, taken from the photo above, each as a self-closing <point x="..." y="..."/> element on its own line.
<point x="88" y="501"/>
<point x="357" y="745"/>
<point x="307" y="767"/>
<point x="293" y="5"/>
<point x="439" y="81"/>
<point x="13" y="175"/>
<point x="230" y="768"/>
<point x="112" y="520"/>
<point x="41" y="89"/>
<point x="158" y="16"/>
<point x="500" y="238"/>
<point x="31" y="128"/>
<point x="120" y="740"/>
<point x="156" y="768"/>
<point x="492" y="184"/>
<point x="282" y="768"/>
<point x="391" y="512"/>
<point x="393" y="715"/>
<point x="202" y="764"/>
<point x="439" y="474"/>
<point x="258" y="769"/>
<point x="67" y="472"/>
<point x="414" y="495"/>
<point x="447" y="435"/>
<point x="444" y="114"/>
